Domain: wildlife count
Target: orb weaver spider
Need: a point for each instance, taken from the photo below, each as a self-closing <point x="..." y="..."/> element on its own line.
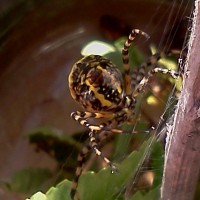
<point x="101" y="89"/>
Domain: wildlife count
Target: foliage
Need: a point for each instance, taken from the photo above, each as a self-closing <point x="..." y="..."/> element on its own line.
<point x="104" y="185"/>
<point x="28" y="181"/>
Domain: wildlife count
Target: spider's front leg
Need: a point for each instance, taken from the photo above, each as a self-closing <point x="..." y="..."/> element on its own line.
<point x="82" y="118"/>
<point x="143" y="83"/>
<point x="112" y="119"/>
<point x="141" y="77"/>
<point x="125" y="57"/>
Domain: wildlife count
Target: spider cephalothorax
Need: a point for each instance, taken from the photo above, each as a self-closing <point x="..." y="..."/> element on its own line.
<point x="101" y="89"/>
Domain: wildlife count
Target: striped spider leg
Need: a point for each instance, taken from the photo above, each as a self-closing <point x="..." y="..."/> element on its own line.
<point x="141" y="77"/>
<point x="81" y="159"/>
<point x="99" y="87"/>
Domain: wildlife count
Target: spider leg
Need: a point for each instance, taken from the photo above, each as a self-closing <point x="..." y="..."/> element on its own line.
<point x="79" y="169"/>
<point x="96" y="135"/>
<point x="113" y="120"/>
<point x="140" y="80"/>
<point x="125" y="58"/>
<point x="145" y="80"/>
<point x="140" y="72"/>
<point x="81" y="161"/>
<point x="85" y="115"/>
<point x="82" y="118"/>
<point x="94" y="146"/>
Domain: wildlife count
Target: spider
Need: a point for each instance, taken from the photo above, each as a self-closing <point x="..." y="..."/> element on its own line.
<point x="108" y="97"/>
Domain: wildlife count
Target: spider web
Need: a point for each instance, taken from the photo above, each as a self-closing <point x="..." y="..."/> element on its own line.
<point x="168" y="18"/>
<point x="176" y="11"/>
<point x="175" y="14"/>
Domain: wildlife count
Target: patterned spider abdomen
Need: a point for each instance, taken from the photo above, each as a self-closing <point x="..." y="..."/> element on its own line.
<point x="96" y="84"/>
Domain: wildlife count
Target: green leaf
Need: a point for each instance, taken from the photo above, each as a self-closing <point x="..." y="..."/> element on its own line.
<point x="153" y="194"/>
<point x="29" y="180"/>
<point x="38" y="196"/>
<point x="53" y="134"/>
<point x="56" y="144"/>
<point x="60" y="192"/>
<point x="157" y="163"/>
<point x="104" y="184"/>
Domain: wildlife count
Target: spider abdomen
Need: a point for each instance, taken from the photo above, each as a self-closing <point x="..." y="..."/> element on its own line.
<point x="96" y="84"/>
